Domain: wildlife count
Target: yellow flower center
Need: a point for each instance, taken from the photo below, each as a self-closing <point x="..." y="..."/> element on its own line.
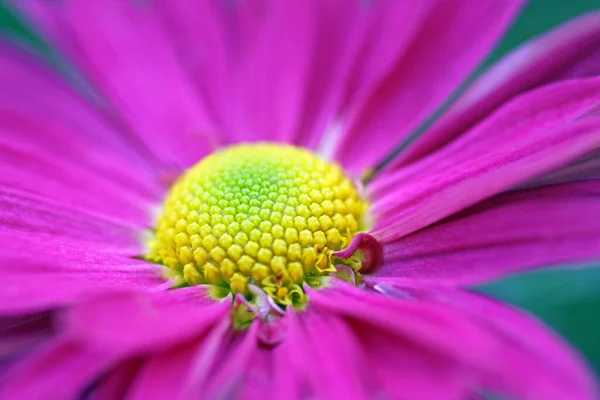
<point x="258" y="215"/>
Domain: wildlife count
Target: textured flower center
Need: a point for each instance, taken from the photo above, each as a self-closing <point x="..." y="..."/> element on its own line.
<point x="262" y="215"/>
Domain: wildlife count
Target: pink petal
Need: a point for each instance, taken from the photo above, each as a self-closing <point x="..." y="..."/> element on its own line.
<point x="408" y="350"/>
<point x="567" y="52"/>
<point x="20" y="335"/>
<point x="332" y="355"/>
<point x="37" y="215"/>
<point x="429" y="327"/>
<point x="144" y="83"/>
<point x="356" y="46"/>
<point x="443" y="53"/>
<point x="212" y="365"/>
<point x="233" y="367"/>
<point x="36" y="133"/>
<point x="62" y="272"/>
<point x="583" y="169"/>
<point x="533" y="364"/>
<point x="32" y="169"/>
<point x="116" y="386"/>
<point x="131" y="323"/>
<point x="101" y="332"/>
<point x="510" y="232"/>
<point x="273" y="41"/>
<point x="161" y="375"/>
<point x="534" y="134"/>
<point x="62" y="370"/>
<point x="34" y="90"/>
<point x="279" y="71"/>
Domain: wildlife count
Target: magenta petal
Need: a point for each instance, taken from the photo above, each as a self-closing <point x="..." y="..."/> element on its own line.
<point x="534" y="134"/>
<point x="533" y="363"/>
<point x="34" y="215"/>
<point x="22" y="334"/>
<point x="583" y="169"/>
<point x="331" y="356"/>
<point x="43" y="137"/>
<point x="568" y="52"/>
<point x="117" y="384"/>
<point x="67" y="182"/>
<point x="231" y="377"/>
<point x="144" y="83"/>
<point x="510" y="232"/>
<point x="33" y="94"/>
<point x="356" y="45"/>
<point x="442" y="54"/>
<point x="273" y="41"/>
<point x="62" y="370"/>
<point x="162" y="374"/>
<point x="62" y="271"/>
<point x="406" y="346"/>
<point x="134" y="322"/>
<point x="433" y="328"/>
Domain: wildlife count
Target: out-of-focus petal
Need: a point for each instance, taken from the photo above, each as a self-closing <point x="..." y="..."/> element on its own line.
<point x="122" y="47"/>
<point x="442" y="54"/>
<point x="533" y="363"/>
<point x="357" y="44"/>
<point x="514" y="231"/>
<point x="131" y="323"/>
<point x="32" y="169"/>
<point x="63" y="369"/>
<point x="534" y="134"/>
<point x="568" y="52"/>
<point x="34" y="215"/>
<point x="118" y="381"/>
<point x="22" y="334"/>
<point x="33" y="93"/>
<point x="43" y="273"/>
<point x="283" y="71"/>
<point x="424" y="342"/>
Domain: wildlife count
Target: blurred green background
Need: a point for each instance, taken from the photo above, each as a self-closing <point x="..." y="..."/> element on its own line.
<point x="568" y="299"/>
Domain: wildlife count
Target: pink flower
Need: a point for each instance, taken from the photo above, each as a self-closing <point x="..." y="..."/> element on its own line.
<point x="506" y="180"/>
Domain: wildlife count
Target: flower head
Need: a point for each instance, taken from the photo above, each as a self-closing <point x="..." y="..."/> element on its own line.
<point x="202" y="211"/>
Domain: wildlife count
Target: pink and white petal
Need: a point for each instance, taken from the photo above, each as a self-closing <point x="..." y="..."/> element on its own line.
<point x="510" y="232"/>
<point x="63" y="369"/>
<point x="535" y="365"/>
<point x="442" y="55"/>
<point x="570" y="51"/>
<point x="534" y="134"/>
<point x="143" y="84"/>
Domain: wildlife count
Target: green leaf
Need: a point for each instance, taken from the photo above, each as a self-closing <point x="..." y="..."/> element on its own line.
<point x="567" y="299"/>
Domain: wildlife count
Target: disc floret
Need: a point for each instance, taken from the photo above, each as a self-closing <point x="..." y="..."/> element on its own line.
<point x="263" y="215"/>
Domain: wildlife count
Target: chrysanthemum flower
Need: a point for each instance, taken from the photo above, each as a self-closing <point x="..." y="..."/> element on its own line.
<point x="198" y="213"/>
